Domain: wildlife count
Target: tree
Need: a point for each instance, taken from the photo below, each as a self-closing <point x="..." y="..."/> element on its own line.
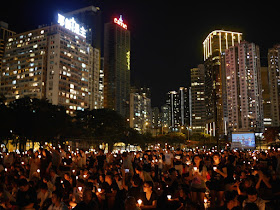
<point x="103" y="124"/>
<point x="6" y="120"/>
<point x="37" y="120"/>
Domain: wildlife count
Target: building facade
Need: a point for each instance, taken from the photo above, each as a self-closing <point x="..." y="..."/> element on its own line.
<point x="179" y="109"/>
<point x="117" y="67"/>
<point x="274" y="84"/>
<point x="244" y="91"/>
<point x="198" y="111"/>
<point x="267" y="119"/>
<point x="4" y="34"/>
<point x="24" y="65"/>
<point x="214" y="47"/>
<point x="51" y="63"/>
<point x="140" y="117"/>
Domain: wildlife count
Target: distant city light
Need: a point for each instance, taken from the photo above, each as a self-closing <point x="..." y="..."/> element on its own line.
<point x="72" y="25"/>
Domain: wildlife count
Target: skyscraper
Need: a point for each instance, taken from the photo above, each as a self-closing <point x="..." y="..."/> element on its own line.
<point x="198" y="114"/>
<point x="267" y="121"/>
<point x="179" y="112"/>
<point x="53" y="62"/>
<point x="140" y="110"/>
<point x="4" y="34"/>
<point x="214" y="47"/>
<point x="92" y="18"/>
<point x="117" y="66"/>
<point x="274" y="84"/>
<point x="244" y="92"/>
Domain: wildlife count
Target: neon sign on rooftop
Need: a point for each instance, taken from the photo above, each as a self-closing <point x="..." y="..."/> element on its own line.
<point x="120" y="22"/>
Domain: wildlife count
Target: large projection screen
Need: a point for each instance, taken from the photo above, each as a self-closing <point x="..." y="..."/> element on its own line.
<point x="243" y="141"/>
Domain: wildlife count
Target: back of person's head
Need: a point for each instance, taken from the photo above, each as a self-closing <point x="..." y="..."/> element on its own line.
<point x="87" y="195"/>
<point x="130" y="203"/>
<point x="22" y="182"/>
<point x="44" y="186"/>
<point x="252" y="191"/>
<point x="136" y="180"/>
<point x="230" y="195"/>
<point x="58" y="194"/>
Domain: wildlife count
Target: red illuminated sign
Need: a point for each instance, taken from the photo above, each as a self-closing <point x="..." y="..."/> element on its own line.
<point x="120" y="22"/>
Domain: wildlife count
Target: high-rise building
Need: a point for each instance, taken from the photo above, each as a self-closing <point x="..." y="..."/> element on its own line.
<point x="165" y="118"/>
<point x="244" y="91"/>
<point x="267" y="121"/>
<point x="198" y="114"/>
<point x="53" y="62"/>
<point x="24" y="65"/>
<point x="140" y="110"/>
<point x="4" y="34"/>
<point x="274" y="84"/>
<point x="117" y="66"/>
<point x="92" y="18"/>
<point x="178" y="103"/>
<point x="214" y="47"/>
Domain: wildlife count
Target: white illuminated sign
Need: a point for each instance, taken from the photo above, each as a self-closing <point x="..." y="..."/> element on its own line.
<point x="120" y="22"/>
<point x="72" y="25"/>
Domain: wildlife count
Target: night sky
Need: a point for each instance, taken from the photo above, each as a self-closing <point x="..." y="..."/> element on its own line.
<point x="166" y="36"/>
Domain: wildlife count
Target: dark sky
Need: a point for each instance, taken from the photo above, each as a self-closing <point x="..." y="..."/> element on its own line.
<point x="166" y="36"/>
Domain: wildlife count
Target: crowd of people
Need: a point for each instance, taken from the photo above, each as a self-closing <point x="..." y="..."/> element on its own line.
<point x="60" y="178"/>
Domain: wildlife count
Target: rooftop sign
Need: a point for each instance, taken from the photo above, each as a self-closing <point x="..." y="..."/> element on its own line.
<point x="120" y="22"/>
<point x="72" y="25"/>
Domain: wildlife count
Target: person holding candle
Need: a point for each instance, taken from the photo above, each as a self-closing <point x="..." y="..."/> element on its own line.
<point x="149" y="197"/>
<point x="217" y="182"/>
<point x="197" y="176"/>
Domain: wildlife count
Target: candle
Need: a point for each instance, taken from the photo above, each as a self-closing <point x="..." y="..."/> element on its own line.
<point x="139" y="202"/>
<point x="168" y="197"/>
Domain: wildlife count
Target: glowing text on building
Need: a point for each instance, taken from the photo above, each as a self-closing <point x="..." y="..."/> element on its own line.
<point x="72" y="25"/>
<point x="120" y="22"/>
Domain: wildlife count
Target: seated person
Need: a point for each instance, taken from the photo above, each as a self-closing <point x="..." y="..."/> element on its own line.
<point x="253" y="198"/>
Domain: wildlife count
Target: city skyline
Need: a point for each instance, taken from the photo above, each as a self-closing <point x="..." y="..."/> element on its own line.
<point x="166" y="39"/>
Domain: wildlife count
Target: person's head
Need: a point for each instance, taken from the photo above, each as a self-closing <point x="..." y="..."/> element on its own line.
<point x="44" y="188"/>
<point x="36" y="154"/>
<point x="231" y="199"/>
<point x="136" y="181"/>
<point x="247" y="183"/>
<point x="196" y="160"/>
<point x="130" y="203"/>
<point x="87" y="196"/>
<point x="56" y="197"/>
<point x="138" y="170"/>
<point x="67" y="176"/>
<point x="101" y="177"/>
<point x="243" y="175"/>
<point x="23" y="185"/>
<point x="148" y="186"/>
<point x="216" y="158"/>
<point x="52" y="172"/>
<point x="252" y="194"/>
<point x="172" y="173"/>
<point x="44" y="152"/>
<point x="108" y="178"/>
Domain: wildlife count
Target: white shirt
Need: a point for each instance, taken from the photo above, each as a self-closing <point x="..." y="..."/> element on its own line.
<point x="168" y="158"/>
